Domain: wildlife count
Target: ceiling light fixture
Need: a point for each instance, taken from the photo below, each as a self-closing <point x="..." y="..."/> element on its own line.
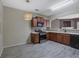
<point x="61" y="4"/>
<point x="36" y="9"/>
<point x="28" y="1"/>
<point x="28" y="16"/>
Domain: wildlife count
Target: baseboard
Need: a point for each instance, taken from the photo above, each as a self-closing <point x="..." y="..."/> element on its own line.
<point x="6" y="46"/>
<point x="1" y="52"/>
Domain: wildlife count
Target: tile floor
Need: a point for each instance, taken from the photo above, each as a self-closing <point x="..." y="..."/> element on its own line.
<point x="48" y="49"/>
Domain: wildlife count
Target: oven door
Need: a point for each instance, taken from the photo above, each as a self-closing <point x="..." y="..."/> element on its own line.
<point x="42" y="35"/>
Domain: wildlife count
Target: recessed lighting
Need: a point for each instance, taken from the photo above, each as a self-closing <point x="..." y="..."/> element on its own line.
<point x="61" y="5"/>
<point x="36" y="9"/>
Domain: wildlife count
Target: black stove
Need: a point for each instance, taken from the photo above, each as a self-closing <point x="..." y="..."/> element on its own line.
<point x="42" y="34"/>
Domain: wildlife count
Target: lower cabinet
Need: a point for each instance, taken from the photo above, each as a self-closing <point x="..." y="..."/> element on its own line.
<point x="59" y="37"/>
<point x="48" y="35"/>
<point x="54" y="36"/>
<point x="35" y="38"/>
<point x="66" y="39"/>
<point x="51" y="36"/>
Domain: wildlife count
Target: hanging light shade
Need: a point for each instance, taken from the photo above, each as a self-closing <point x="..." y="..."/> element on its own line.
<point x="28" y="16"/>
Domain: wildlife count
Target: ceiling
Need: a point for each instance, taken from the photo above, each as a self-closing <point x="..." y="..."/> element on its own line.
<point x="42" y="5"/>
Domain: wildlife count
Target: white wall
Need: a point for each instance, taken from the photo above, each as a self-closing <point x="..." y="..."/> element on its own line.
<point x="55" y="24"/>
<point x="16" y="30"/>
<point x="1" y="28"/>
<point x="77" y="25"/>
<point x="63" y="16"/>
<point x="69" y="16"/>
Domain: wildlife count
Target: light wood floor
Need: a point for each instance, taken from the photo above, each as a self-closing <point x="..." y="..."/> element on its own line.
<point x="48" y="49"/>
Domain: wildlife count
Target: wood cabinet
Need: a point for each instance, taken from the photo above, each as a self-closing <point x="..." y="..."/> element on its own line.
<point x="59" y="37"/>
<point x="34" y="22"/>
<point x="52" y="36"/>
<point x="35" y="38"/>
<point x="48" y="36"/>
<point x="39" y="20"/>
<point x="46" y="23"/>
<point x="63" y="38"/>
<point x="66" y="39"/>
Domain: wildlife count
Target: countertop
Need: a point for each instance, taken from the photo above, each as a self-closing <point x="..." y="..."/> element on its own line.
<point x="35" y="32"/>
<point x="64" y="32"/>
<point x="73" y="33"/>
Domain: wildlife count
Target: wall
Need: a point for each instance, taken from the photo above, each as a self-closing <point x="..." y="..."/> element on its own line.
<point x="55" y="24"/>
<point x="71" y="16"/>
<point x="72" y="22"/>
<point x="77" y="25"/>
<point x="16" y="30"/>
<point x="75" y="22"/>
<point x="66" y="17"/>
<point x="74" y="17"/>
<point x="1" y="28"/>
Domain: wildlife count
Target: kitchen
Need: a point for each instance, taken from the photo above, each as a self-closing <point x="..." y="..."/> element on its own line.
<point x="39" y="28"/>
<point x="66" y="32"/>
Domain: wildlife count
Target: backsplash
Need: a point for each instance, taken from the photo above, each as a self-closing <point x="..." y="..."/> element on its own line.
<point x="67" y="30"/>
<point x="73" y="31"/>
<point x="58" y="23"/>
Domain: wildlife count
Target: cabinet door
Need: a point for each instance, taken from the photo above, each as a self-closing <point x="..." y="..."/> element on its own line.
<point x="45" y="23"/>
<point x="60" y="38"/>
<point x="48" y="36"/>
<point x="32" y="38"/>
<point x="38" y="19"/>
<point x="54" y="36"/>
<point x="66" y="39"/>
<point x="34" y="22"/>
<point x="35" y="38"/>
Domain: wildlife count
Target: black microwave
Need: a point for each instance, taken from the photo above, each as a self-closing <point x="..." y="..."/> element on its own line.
<point x="40" y="24"/>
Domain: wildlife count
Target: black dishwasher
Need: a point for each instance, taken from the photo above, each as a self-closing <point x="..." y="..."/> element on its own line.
<point x="74" y="41"/>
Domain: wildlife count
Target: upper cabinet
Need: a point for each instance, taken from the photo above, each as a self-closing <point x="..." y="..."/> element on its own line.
<point x="34" y="22"/>
<point x="39" y="22"/>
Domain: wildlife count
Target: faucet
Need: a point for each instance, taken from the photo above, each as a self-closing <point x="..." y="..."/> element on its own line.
<point x="65" y="30"/>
